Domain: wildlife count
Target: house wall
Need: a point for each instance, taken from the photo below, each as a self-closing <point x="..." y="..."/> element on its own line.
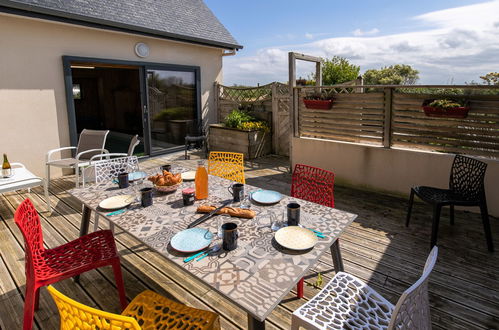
<point x="387" y="170"/>
<point x="33" y="114"/>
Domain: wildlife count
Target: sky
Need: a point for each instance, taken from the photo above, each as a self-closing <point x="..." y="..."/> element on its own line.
<point x="448" y="42"/>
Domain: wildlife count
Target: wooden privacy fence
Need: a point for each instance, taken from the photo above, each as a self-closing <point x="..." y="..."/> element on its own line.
<point x="272" y="99"/>
<point x="392" y="116"/>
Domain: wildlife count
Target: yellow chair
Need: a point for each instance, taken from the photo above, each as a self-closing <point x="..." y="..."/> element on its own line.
<point x="148" y="310"/>
<point x="227" y="165"/>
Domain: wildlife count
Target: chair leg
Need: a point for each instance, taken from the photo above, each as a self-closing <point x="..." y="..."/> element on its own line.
<point x="434" y="230"/>
<point x="37" y="298"/>
<point x="186" y="146"/>
<point x="77" y="176"/>
<point x="47" y="176"/>
<point x="118" y="276"/>
<point x="299" y="289"/>
<point x="29" y="307"/>
<point x="409" y="208"/>
<point x="452" y="214"/>
<point x="486" y="226"/>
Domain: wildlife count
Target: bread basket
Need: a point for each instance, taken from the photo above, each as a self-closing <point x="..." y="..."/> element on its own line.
<point x="167" y="189"/>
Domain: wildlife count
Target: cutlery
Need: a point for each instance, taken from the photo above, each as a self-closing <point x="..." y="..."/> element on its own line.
<point x="216" y="248"/>
<point x="116" y="212"/>
<point x="209" y="215"/>
<point x="318" y="233"/>
<point x="194" y="256"/>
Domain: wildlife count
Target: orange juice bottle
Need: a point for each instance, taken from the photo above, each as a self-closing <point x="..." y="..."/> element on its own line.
<point x="201" y="181"/>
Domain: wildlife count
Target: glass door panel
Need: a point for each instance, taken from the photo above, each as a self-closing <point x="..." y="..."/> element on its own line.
<point x="172" y="100"/>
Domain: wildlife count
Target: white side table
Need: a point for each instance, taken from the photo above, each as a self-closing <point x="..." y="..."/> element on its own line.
<point x="23" y="179"/>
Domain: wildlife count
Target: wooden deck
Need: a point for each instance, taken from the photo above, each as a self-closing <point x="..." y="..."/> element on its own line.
<point x="378" y="248"/>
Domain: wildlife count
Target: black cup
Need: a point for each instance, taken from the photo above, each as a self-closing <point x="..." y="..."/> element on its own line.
<point x="293" y="214"/>
<point x="123" y="180"/>
<point x="230" y="236"/>
<point x="235" y="190"/>
<point x="167" y="168"/>
<point x="146" y="197"/>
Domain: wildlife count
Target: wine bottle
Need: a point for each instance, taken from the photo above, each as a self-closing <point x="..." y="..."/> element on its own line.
<point x="6" y="169"/>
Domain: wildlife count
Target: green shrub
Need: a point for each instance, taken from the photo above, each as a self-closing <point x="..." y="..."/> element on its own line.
<point x="242" y="120"/>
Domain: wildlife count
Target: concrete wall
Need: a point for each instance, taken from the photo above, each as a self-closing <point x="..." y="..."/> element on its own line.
<point x="388" y="170"/>
<point x="33" y="114"/>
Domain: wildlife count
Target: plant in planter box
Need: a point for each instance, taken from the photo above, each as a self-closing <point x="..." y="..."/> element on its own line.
<point x="450" y="108"/>
<point x="244" y="121"/>
<point x="318" y="101"/>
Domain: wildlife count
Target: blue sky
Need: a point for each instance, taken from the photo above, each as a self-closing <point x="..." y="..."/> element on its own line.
<point x="447" y="41"/>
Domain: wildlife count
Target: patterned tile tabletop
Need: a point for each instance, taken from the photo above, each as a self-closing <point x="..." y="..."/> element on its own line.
<point x="255" y="276"/>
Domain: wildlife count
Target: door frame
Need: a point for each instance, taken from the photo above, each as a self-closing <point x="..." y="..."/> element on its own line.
<point x="168" y="67"/>
<point x="67" y="60"/>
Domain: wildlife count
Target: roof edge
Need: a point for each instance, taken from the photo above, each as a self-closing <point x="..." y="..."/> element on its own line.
<point x="63" y="17"/>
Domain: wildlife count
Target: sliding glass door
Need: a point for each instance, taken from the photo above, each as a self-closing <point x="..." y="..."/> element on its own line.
<point x="172" y="98"/>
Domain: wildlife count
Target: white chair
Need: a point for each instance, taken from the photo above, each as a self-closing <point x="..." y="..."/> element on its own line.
<point x="91" y="143"/>
<point x="107" y="170"/>
<point x="348" y="303"/>
<point x="89" y="170"/>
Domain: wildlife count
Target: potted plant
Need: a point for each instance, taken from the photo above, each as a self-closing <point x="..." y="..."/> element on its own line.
<point x="318" y="101"/>
<point x="450" y="108"/>
<point x="241" y="132"/>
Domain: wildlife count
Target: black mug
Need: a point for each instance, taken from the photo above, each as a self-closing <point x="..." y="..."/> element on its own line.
<point x="146" y="197"/>
<point x="167" y="168"/>
<point x="230" y="236"/>
<point x="235" y="190"/>
<point x="123" y="180"/>
<point x="293" y="214"/>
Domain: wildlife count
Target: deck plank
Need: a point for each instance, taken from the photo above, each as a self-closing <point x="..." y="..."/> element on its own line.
<point x="378" y="248"/>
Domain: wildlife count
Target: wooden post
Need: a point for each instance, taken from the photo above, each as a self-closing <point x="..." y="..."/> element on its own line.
<point x="387" y="127"/>
<point x="216" y="92"/>
<point x="275" y="119"/>
<point x="318" y="74"/>
<point x="359" y="81"/>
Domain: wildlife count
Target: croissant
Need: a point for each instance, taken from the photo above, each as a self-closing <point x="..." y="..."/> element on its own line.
<point x="232" y="211"/>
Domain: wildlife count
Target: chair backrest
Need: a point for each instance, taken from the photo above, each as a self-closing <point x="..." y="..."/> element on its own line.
<point x="91" y="139"/>
<point x="75" y="315"/>
<point x="196" y="128"/>
<point x="412" y="310"/>
<point x="227" y="165"/>
<point x="108" y="169"/>
<point x="133" y="143"/>
<point x="467" y="177"/>
<point x="28" y="221"/>
<point x="313" y="184"/>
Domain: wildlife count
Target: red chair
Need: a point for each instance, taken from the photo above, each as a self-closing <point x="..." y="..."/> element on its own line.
<point x="315" y="185"/>
<point x="47" y="266"/>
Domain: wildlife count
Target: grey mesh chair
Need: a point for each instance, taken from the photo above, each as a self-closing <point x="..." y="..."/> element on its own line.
<point x="91" y="143"/>
<point x="346" y="302"/>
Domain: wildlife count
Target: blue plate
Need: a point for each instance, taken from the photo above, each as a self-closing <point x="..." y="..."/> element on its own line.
<point x="191" y="240"/>
<point x="136" y="176"/>
<point x="266" y="196"/>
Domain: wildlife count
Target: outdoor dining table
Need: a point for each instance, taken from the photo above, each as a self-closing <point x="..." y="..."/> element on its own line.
<point x="255" y="276"/>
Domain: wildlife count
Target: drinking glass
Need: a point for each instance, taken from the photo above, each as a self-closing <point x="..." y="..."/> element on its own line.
<point x="276" y="221"/>
<point x="244" y="198"/>
<point x="221" y="219"/>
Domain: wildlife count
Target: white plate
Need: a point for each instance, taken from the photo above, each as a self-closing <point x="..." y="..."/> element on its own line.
<point x="116" y="202"/>
<point x="296" y="238"/>
<point x="191" y="240"/>
<point x="189" y="176"/>
<point x="268" y="197"/>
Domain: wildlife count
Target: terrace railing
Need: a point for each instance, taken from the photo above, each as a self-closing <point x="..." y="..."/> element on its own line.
<point x="392" y="117"/>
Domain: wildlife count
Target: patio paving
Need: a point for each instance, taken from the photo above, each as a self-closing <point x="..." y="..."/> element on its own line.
<point x="378" y="248"/>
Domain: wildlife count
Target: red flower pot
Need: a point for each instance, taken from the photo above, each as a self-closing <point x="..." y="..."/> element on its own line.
<point x="318" y="104"/>
<point x="457" y="112"/>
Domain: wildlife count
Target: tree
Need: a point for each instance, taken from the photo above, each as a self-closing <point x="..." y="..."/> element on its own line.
<point x="491" y="78"/>
<point x="399" y="74"/>
<point x="338" y="70"/>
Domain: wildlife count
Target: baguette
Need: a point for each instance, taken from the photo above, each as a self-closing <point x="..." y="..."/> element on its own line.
<point x="232" y="211"/>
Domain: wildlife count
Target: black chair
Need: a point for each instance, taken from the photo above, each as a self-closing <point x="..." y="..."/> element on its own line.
<point x="196" y="137"/>
<point x="466" y="188"/>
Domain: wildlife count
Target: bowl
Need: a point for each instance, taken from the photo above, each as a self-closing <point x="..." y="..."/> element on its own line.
<point x="167" y="189"/>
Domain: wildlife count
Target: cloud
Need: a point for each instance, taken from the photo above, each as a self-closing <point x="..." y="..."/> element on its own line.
<point x="309" y="36"/>
<point x="359" y="32"/>
<point x="457" y="44"/>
